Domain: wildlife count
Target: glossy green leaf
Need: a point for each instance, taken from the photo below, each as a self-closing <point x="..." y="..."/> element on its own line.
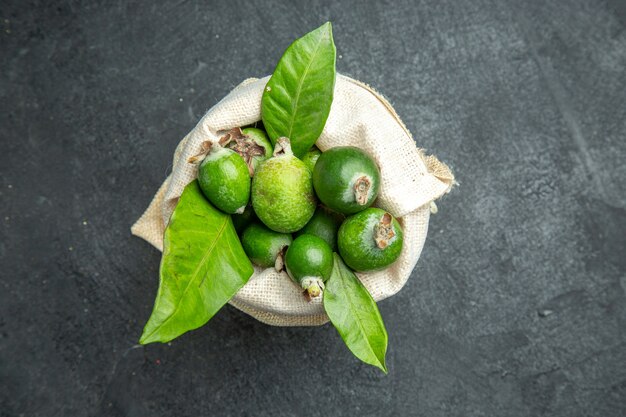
<point x="296" y="101"/>
<point x="355" y="315"/>
<point x="202" y="267"/>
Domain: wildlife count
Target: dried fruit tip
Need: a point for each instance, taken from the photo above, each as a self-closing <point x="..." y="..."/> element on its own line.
<point x="207" y="145"/>
<point x="313" y="287"/>
<point x="361" y="189"/>
<point x="383" y="231"/>
<point x="279" y="264"/>
<point x="242" y="144"/>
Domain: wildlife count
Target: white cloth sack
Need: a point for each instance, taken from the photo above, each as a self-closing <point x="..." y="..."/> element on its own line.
<point x="360" y="117"/>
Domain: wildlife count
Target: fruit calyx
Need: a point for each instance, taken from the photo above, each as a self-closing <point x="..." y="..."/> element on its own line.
<point x="383" y="231"/>
<point x="207" y="146"/>
<point x="282" y="147"/>
<point x="242" y="144"/>
<point x="361" y="189"/>
<point x="313" y="287"/>
<point x="279" y="264"/>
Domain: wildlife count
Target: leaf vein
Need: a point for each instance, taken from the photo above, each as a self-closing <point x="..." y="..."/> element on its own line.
<point x="193" y="277"/>
<point x="358" y="318"/>
<point x="300" y="83"/>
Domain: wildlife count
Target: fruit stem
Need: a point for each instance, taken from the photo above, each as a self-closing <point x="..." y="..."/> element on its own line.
<point x="282" y="147"/>
<point x="361" y="189"/>
<point x="383" y="231"/>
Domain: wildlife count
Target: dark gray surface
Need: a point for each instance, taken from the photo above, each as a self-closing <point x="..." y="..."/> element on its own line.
<point x="516" y="308"/>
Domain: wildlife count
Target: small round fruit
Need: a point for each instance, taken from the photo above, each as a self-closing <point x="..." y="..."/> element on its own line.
<point x="241" y="221"/>
<point x="370" y="240"/>
<point x="309" y="262"/>
<point x="346" y="179"/>
<point x="311" y="157"/>
<point x="224" y="179"/>
<point x="324" y="224"/>
<point x="251" y="143"/>
<point x="282" y="193"/>
<point x="265" y="247"/>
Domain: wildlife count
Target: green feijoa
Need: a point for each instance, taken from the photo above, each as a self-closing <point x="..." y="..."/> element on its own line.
<point x="311" y="157"/>
<point x="282" y="192"/>
<point x="370" y="240"/>
<point x="309" y="263"/>
<point x="241" y="221"/>
<point x="224" y="178"/>
<point x="346" y="179"/>
<point x="265" y="247"/>
<point x="251" y="143"/>
<point x="324" y="224"/>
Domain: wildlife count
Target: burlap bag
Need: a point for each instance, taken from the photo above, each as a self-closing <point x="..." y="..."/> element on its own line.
<point x="360" y="117"/>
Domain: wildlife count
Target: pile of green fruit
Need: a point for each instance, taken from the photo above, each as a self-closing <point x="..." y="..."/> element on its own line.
<point x="283" y="192"/>
<point x="265" y="194"/>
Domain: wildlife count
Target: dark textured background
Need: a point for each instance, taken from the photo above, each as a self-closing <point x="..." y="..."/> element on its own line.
<point x="516" y="308"/>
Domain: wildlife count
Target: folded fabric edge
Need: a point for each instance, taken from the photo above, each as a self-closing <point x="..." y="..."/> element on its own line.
<point x="246" y="82"/>
<point x="150" y="225"/>
<point x="382" y="99"/>
<point x="439" y="170"/>
<point x="280" y="320"/>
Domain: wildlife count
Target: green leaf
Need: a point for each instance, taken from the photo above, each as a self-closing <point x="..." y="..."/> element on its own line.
<point x="203" y="266"/>
<point x="297" y="98"/>
<point x="354" y="313"/>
